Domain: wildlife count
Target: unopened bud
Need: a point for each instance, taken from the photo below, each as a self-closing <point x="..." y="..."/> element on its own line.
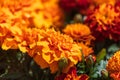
<point x="104" y="73"/>
<point x="62" y="63"/>
<point x="89" y="61"/>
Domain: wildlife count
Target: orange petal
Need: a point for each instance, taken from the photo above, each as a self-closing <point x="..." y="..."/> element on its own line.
<point x="54" y="67"/>
<point x="40" y="61"/>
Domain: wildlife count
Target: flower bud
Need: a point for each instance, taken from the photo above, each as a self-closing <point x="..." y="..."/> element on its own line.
<point x="62" y="63"/>
<point x="104" y="74"/>
<point x="89" y="61"/>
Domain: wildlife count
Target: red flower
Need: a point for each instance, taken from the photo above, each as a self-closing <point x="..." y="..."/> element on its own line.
<point x="72" y="75"/>
<point x="104" y="22"/>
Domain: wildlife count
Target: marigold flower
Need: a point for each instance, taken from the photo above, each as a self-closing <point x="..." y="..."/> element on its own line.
<point x="103" y="24"/>
<point x="50" y="50"/>
<point x="79" y="32"/>
<point x="34" y="13"/>
<point x="114" y="63"/>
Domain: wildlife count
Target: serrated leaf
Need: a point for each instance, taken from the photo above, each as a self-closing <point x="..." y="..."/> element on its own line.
<point x="101" y="55"/>
<point x="96" y="72"/>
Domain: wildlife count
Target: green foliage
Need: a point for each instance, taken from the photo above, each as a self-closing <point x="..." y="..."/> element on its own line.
<point x="97" y="69"/>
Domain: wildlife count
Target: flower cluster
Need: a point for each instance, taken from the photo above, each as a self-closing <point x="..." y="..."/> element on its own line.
<point x="48" y="47"/>
<point x="64" y="39"/>
<point x="46" y="50"/>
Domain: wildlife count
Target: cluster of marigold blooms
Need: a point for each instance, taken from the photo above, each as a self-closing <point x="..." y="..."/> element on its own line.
<point x="26" y="25"/>
<point x="33" y="27"/>
<point x="102" y="16"/>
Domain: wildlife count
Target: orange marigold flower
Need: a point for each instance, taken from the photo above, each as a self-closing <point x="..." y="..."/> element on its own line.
<point x="114" y="63"/>
<point x="115" y="75"/>
<point x="79" y="32"/>
<point x="103" y="24"/>
<point x="52" y="47"/>
<point x="34" y="13"/>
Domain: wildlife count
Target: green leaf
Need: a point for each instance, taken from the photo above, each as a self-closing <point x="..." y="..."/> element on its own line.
<point x="96" y="72"/>
<point x="101" y="55"/>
